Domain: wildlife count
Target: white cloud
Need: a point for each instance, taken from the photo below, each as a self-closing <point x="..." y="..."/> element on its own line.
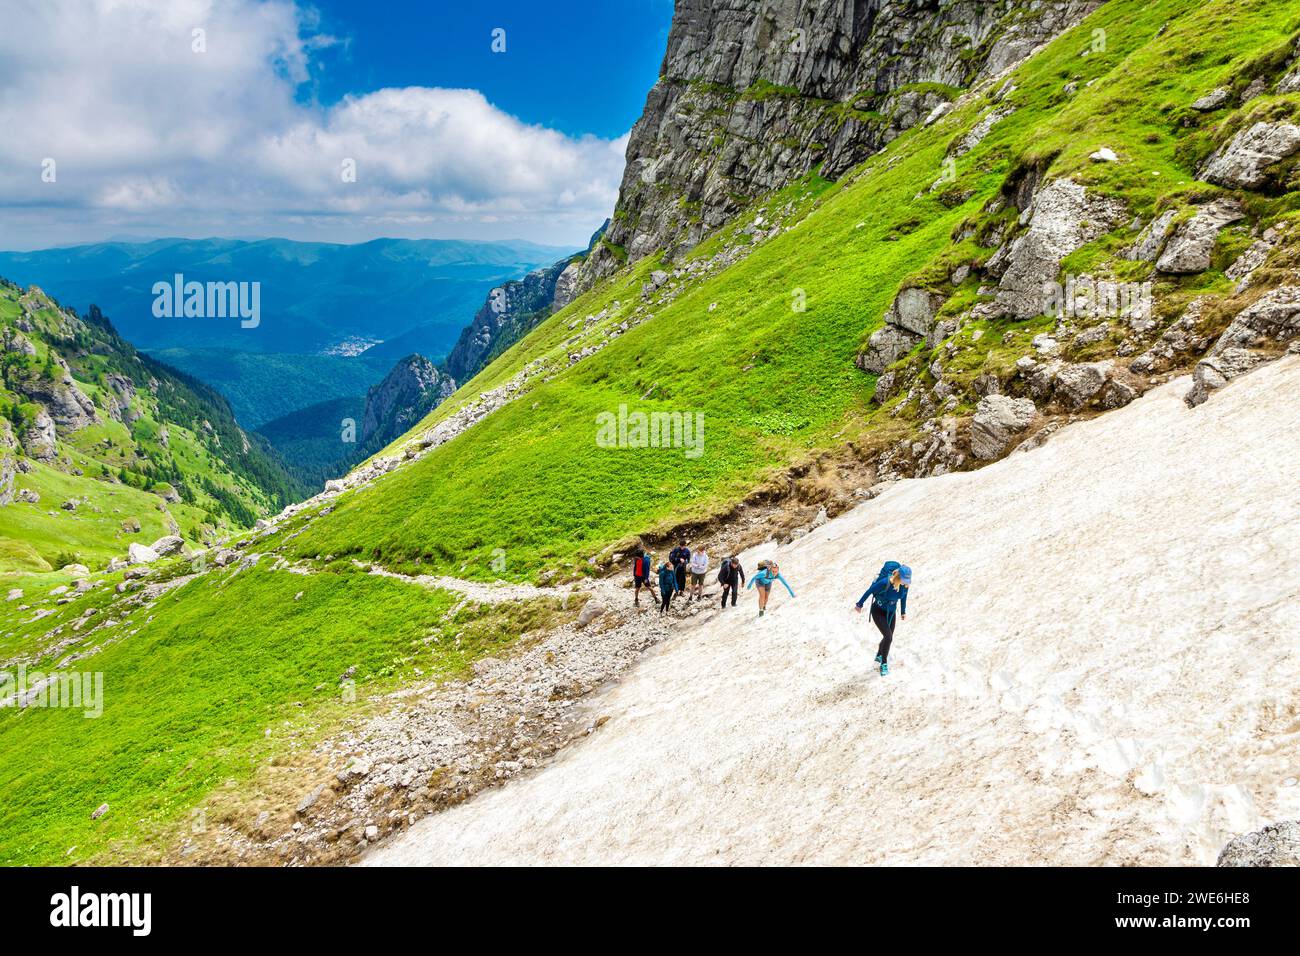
<point x="149" y="134"/>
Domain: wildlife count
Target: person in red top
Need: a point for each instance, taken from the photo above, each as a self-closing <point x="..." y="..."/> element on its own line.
<point x="641" y="562"/>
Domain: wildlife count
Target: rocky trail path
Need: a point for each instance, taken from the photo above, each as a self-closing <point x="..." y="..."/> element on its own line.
<point x="1100" y="667"/>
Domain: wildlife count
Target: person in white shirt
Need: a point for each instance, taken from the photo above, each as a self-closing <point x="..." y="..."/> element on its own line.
<point x="699" y="567"/>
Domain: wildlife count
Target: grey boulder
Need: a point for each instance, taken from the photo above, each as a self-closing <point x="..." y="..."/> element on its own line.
<point x="998" y="419"/>
<point x="1245" y="161"/>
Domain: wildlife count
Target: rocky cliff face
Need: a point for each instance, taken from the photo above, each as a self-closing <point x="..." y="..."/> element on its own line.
<point x="513" y="310"/>
<point x="753" y="95"/>
<point x="407" y="393"/>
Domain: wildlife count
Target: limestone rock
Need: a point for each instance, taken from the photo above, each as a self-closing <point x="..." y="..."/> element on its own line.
<point x="590" y="611"/>
<point x="1191" y="247"/>
<point x="908" y="321"/>
<point x="1214" y="100"/>
<point x="167" y="545"/>
<point x="1216" y="371"/>
<point x="997" y="420"/>
<point x="1274" y="318"/>
<point x="1245" y="161"/>
<point x="1077" y="385"/>
<point x="39" y="441"/>
<point x="141" y="554"/>
<point x="1276" y="845"/>
<point x="1152" y="239"/>
<point x="871" y="56"/>
<point x="1064" y="217"/>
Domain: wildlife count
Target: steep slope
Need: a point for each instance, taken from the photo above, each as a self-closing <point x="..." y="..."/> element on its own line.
<point x="103" y="446"/>
<point x="834" y="336"/>
<point x="922" y="268"/>
<point x="752" y="98"/>
<point x="408" y="392"/>
<point x="1070" y="687"/>
<point x="514" y="309"/>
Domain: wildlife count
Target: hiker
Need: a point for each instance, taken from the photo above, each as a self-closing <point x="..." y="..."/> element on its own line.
<point x="641" y="563"/>
<point x="768" y="571"/>
<point x="699" y="568"/>
<point x="679" y="557"/>
<point x="731" y="576"/>
<point x="888" y="595"/>
<point x="667" y="586"/>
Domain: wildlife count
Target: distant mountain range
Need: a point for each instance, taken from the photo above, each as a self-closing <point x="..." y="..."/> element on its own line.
<point x="332" y="320"/>
<point x="314" y="297"/>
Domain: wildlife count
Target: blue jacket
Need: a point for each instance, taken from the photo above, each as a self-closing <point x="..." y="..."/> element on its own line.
<point x="667" y="579"/>
<point x="765" y="578"/>
<point x="889" y="598"/>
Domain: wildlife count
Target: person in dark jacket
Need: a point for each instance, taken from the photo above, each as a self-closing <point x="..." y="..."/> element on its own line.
<point x="667" y="586"/>
<point x="731" y="576"/>
<point x="679" y="557"/>
<point x="888" y="595"/>
<point x="641" y="563"/>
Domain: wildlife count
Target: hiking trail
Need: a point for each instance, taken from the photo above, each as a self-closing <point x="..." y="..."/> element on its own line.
<point x="1099" y="667"/>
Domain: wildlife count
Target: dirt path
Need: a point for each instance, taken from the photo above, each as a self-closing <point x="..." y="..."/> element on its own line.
<point x="497" y="592"/>
<point x="1099" y="667"/>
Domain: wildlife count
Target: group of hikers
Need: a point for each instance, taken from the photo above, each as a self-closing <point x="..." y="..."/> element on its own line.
<point x="685" y="570"/>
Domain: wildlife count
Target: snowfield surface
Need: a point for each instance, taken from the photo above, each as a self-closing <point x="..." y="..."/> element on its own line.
<point x="1101" y="665"/>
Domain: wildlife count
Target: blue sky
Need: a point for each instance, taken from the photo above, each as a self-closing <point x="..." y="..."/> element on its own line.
<point x="578" y="66"/>
<point x="329" y="120"/>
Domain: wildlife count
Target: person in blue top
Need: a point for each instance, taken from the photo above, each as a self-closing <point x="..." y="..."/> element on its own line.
<point x="667" y="586"/>
<point x="767" y="573"/>
<point x="888" y="595"/>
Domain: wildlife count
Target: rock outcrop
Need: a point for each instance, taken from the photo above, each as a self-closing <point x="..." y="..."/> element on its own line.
<point x="513" y="310"/>
<point x="1064" y="217"/>
<point x="1277" y="845"/>
<point x="1191" y="247"/>
<point x="1255" y="335"/>
<point x="909" y="320"/>
<point x="1244" y="163"/>
<point x="39" y="440"/>
<point x="69" y="407"/>
<point x="998" y="419"/>
<point x="750" y="100"/>
<point x="408" y="392"/>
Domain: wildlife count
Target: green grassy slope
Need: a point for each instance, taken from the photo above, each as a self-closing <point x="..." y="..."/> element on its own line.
<point x="182" y="442"/>
<point x="196" y="693"/>
<point x="190" y="695"/>
<point x="772" y="381"/>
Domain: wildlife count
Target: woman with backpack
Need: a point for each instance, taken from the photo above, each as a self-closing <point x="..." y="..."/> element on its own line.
<point x="641" y="563"/>
<point x="679" y="557"/>
<point x="888" y="595"/>
<point x="667" y="586"/>
<point x="731" y="576"/>
<point x="767" y="573"/>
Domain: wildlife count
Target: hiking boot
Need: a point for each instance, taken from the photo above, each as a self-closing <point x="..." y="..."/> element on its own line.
<point x="884" y="669"/>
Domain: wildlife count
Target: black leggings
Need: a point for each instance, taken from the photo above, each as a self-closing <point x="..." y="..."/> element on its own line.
<point x="886" y="627"/>
<point x="731" y="589"/>
<point x="667" y="599"/>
